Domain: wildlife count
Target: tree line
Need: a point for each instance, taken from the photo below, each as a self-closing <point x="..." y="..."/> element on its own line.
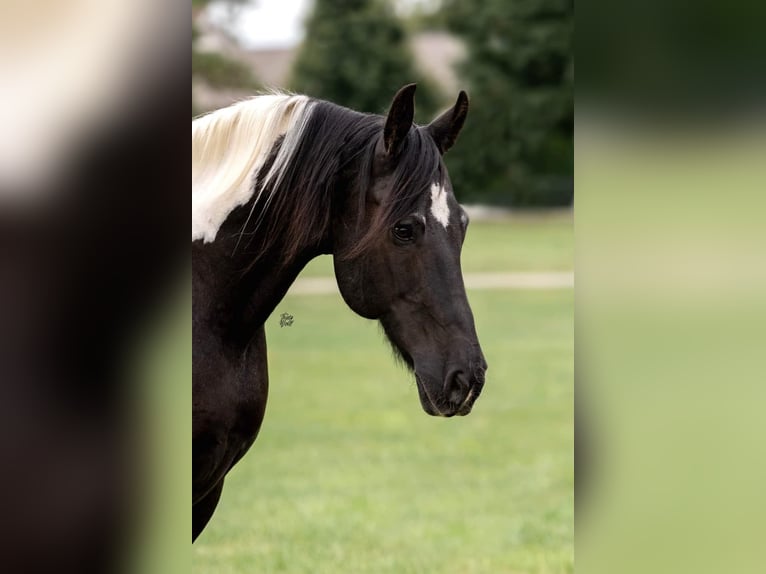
<point x="517" y="145"/>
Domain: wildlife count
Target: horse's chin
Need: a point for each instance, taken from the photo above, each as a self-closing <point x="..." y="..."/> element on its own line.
<point x="431" y="404"/>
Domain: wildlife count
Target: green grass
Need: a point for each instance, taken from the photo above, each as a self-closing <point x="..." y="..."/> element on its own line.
<point x="349" y="475"/>
<point x="530" y="242"/>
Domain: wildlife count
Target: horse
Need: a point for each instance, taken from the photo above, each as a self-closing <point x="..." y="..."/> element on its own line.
<point x="279" y="179"/>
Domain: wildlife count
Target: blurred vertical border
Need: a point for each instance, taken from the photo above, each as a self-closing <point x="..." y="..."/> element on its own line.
<point x="671" y="273"/>
<point x="93" y="200"/>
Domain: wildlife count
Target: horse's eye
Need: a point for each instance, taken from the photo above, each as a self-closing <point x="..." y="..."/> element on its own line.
<point x="404" y="232"/>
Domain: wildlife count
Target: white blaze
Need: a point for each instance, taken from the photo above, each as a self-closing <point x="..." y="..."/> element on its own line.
<point x="439" y="207"/>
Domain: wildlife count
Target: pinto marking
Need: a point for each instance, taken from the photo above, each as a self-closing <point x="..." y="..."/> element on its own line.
<point x="231" y="145"/>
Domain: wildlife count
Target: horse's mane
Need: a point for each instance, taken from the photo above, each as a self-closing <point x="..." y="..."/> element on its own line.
<point x="289" y="152"/>
<point x="229" y="146"/>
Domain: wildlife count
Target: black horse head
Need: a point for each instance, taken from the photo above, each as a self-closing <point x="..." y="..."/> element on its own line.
<point x="280" y="179"/>
<point x="397" y="259"/>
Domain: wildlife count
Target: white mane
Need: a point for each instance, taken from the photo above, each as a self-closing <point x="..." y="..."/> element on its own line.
<point x="229" y="147"/>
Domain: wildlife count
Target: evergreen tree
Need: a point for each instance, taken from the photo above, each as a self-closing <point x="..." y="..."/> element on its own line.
<point x="517" y="144"/>
<point x="355" y="54"/>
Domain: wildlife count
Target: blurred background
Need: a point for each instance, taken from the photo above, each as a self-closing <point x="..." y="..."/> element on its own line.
<point x="671" y="276"/>
<point x="348" y="474"/>
<point x="95" y="334"/>
<point x="515" y="60"/>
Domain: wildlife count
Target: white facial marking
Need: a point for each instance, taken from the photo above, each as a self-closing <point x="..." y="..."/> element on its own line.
<point x="439" y="207"/>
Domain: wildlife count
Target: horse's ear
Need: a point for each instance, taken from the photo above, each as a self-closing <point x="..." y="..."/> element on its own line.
<point x="399" y="120"/>
<point x="447" y="126"/>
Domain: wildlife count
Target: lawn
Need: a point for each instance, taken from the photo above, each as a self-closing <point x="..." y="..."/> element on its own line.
<point x="350" y="476"/>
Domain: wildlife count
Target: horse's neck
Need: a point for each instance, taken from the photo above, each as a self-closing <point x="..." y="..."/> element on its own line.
<point x="236" y="295"/>
<point x="242" y="277"/>
<point x="271" y="279"/>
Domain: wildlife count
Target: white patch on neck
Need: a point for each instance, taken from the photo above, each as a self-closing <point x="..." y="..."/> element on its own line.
<point x="229" y="147"/>
<point x="439" y="207"/>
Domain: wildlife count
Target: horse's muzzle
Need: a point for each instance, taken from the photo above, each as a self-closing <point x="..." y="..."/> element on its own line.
<point x="456" y="395"/>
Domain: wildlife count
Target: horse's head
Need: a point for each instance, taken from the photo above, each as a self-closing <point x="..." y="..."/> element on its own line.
<point x="397" y="239"/>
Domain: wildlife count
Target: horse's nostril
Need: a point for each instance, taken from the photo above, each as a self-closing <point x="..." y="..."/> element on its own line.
<point x="456" y="386"/>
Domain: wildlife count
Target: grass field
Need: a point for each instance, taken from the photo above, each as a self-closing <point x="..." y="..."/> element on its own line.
<point x="350" y="476"/>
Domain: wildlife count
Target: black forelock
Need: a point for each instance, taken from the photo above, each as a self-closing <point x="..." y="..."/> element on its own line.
<point x="415" y="168"/>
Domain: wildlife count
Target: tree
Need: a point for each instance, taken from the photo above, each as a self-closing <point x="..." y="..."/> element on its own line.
<point x="517" y="144"/>
<point x="355" y="53"/>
